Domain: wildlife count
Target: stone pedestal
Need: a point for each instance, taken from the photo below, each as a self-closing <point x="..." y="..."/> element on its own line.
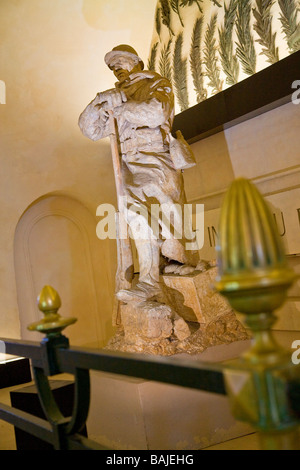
<point x="132" y="414"/>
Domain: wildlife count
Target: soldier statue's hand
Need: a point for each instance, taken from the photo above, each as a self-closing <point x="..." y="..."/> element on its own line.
<point x="108" y="100"/>
<point x="103" y="115"/>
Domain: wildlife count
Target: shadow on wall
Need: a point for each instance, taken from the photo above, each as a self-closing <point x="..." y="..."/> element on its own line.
<point x="55" y="244"/>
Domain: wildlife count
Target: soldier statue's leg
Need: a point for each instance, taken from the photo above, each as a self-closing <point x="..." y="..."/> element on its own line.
<point x="148" y="250"/>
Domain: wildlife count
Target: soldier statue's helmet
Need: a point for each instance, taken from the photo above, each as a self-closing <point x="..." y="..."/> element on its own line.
<point x="125" y="51"/>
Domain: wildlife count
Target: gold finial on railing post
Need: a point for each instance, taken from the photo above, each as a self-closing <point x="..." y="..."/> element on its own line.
<point x="254" y="277"/>
<point x="52" y="324"/>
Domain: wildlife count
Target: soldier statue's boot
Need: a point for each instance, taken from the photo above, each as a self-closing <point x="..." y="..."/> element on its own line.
<point x="141" y="292"/>
<point x="148" y="286"/>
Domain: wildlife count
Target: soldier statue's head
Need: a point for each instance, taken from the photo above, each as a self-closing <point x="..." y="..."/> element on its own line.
<point x="123" y="60"/>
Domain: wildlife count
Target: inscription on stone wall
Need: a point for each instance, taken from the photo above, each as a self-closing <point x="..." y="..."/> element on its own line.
<point x="285" y="208"/>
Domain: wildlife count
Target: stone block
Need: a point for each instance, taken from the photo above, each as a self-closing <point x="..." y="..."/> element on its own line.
<point x="135" y="414"/>
<point x="193" y="296"/>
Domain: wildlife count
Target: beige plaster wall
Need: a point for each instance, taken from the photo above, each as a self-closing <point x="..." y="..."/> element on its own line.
<point x="51" y="56"/>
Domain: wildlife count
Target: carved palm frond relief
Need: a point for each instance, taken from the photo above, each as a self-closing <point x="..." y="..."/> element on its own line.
<point x="221" y="40"/>
<point x="263" y="26"/>
<point x="165" y="64"/>
<point x="289" y="23"/>
<point x="229" y="60"/>
<point x="152" y="59"/>
<point x="245" y="43"/>
<point x="165" y="10"/>
<point x="180" y="74"/>
<point x="196" y="60"/>
<point x="175" y="5"/>
<point x="210" y="56"/>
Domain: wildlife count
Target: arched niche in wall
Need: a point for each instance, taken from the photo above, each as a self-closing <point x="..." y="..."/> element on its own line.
<point x="56" y="244"/>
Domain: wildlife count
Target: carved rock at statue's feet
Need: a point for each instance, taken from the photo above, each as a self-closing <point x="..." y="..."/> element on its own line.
<point x="189" y="317"/>
<point x="149" y="327"/>
<point x="149" y="321"/>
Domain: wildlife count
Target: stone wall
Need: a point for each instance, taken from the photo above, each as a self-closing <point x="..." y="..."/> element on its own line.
<point x="264" y="149"/>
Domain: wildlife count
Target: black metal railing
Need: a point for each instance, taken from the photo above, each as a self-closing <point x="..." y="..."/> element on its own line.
<point x="263" y="385"/>
<point x="53" y="356"/>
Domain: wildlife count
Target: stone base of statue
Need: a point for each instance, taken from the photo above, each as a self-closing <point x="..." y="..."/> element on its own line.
<point x="193" y="318"/>
<point x="134" y="414"/>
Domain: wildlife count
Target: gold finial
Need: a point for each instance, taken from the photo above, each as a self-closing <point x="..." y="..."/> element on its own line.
<point x="254" y="277"/>
<point x="253" y="271"/>
<point x="49" y="303"/>
<point x="48" y="300"/>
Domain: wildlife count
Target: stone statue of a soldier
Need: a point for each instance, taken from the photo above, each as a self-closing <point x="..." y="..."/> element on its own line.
<point x="157" y="315"/>
<point x="142" y="104"/>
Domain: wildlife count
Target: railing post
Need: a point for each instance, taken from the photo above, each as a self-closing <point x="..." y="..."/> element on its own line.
<point x="52" y="325"/>
<point x="254" y="277"/>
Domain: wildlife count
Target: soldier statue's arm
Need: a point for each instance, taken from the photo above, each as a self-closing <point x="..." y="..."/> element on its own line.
<point x="153" y="109"/>
<point x="94" y="120"/>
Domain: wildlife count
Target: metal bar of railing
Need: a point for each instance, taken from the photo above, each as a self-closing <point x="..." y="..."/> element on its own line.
<point x="29" y="349"/>
<point x="27" y="422"/>
<point x="43" y="430"/>
<point x="78" y="442"/>
<point x="182" y="372"/>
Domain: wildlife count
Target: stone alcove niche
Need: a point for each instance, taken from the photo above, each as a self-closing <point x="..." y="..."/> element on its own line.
<point x="55" y="244"/>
